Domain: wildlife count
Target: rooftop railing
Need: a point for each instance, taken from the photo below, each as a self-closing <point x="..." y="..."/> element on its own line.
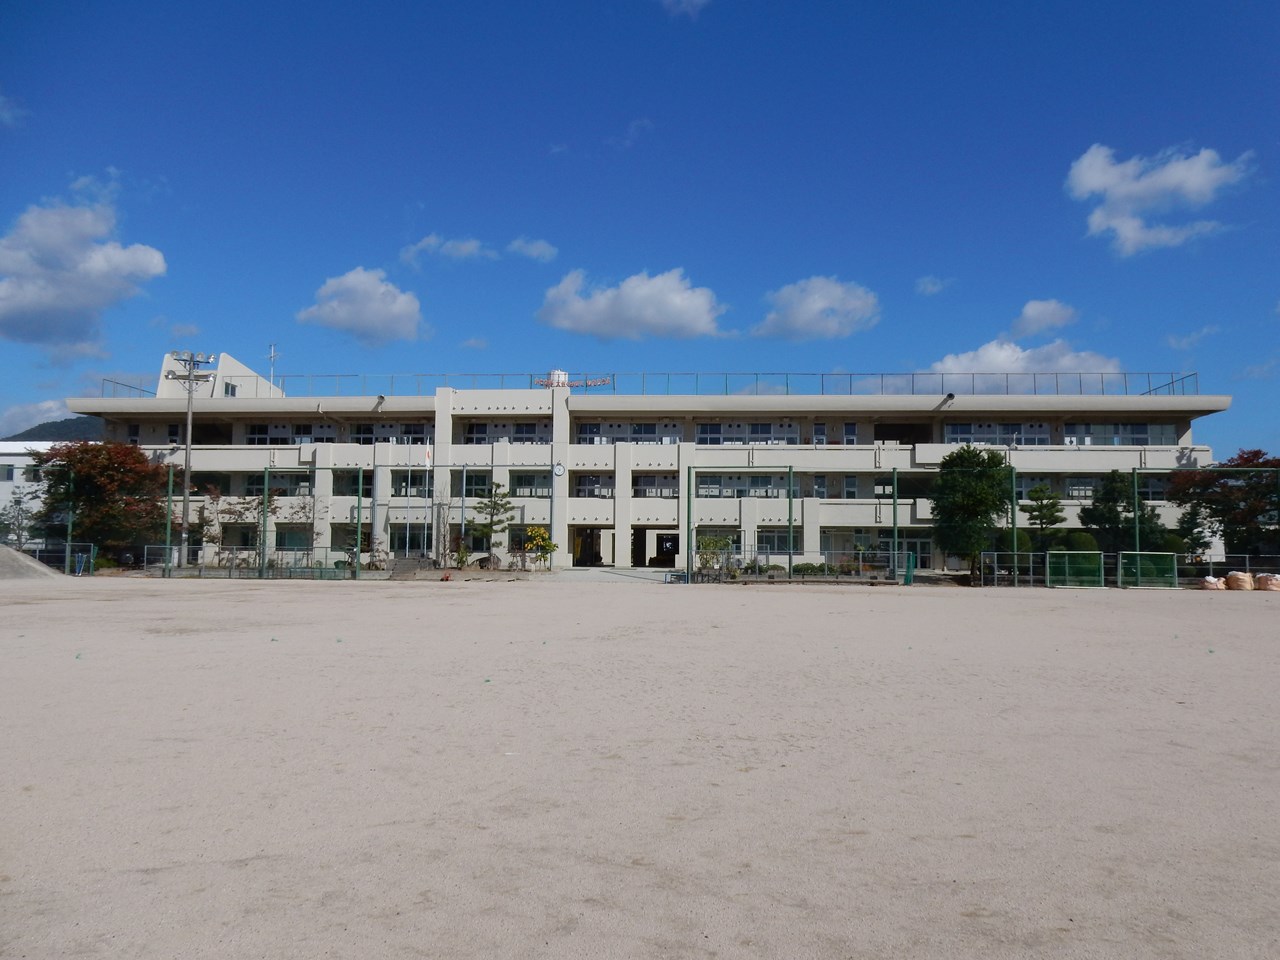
<point x="726" y="384"/>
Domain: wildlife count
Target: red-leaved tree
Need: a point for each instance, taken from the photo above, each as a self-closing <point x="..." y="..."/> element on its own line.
<point x="116" y="494"/>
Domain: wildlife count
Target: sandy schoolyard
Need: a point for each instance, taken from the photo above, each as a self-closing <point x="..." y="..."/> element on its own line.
<point x="556" y="769"/>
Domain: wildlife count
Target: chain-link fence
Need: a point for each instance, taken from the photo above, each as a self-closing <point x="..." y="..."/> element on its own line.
<point x="1066" y="568"/>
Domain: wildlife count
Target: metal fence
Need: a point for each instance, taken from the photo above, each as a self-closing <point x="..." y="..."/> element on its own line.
<point x="76" y="559"/>
<point x="722" y="384"/>
<point x="722" y="566"/>
<point x="280" y="563"/>
<point x="1120" y="570"/>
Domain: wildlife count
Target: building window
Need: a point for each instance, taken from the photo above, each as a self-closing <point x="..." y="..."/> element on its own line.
<point x="590" y="433"/>
<point x="525" y="433"/>
<point x="819" y="434"/>
<point x="477" y="484"/>
<point x="644" y="433"/>
<point x="761" y="432"/>
<point x="281" y="485"/>
<point x="344" y="483"/>
<point x="255" y="435"/>
<point x="850" y="487"/>
<point x="1080" y="488"/>
<point x="773" y="540"/>
<point x="133" y="432"/>
<point x="999" y="434"/>
<point x="1153" y="486"/>
<point x="709" y="485"/>
<point x="362" y="433"/>
<point x="654" y="485"/>
<point x="416" y="484"/>
<point x="1120" y="434"/>
<point x="31" y="475"/>
<point x="6" y="472"/>
<point x="531" y="484"/>
<point x="293" y="537"/>
<point x="593" y="485"/>
<point x="413" y="433"/>
<point x="302" y="433"/>
<point x="1023" y="485"/>
<point x="710" y="434"/>
<point x="175" y="434"/>
<point x="410" y="540"/>
<point x="921" y="546"/>
<point x="850" y="434"/>
<point x="228" y="389"/>
<point x="820" y="486"/>
<point x="476" y="433"/>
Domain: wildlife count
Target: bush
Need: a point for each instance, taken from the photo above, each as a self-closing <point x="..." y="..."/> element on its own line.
<point x="1079" y="540"/>
<point x="812" y="570"/>
<point x="758" y="568"/>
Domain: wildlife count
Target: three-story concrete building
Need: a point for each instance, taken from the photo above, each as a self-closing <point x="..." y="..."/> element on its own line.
<point x="621" y="469"/>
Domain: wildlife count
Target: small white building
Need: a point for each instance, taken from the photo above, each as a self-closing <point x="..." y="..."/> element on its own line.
<point x="622" y="468"/>
<point x="19" y="478"/>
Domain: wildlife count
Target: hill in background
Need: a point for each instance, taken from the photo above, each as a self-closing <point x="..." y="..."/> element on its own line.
<point x="72" y="428"/>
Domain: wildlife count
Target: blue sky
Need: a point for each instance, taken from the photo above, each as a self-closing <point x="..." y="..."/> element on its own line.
<point x="629" y="185"/>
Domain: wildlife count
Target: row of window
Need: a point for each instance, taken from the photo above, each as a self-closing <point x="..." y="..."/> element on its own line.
<point x="420" y="484"/>
<point x="1003" y="433"/>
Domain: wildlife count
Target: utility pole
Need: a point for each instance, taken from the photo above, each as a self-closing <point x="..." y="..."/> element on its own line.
<point x="191" y="364"/>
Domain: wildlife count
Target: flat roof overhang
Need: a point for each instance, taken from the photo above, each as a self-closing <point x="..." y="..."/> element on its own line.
<point x="232" y="408"/>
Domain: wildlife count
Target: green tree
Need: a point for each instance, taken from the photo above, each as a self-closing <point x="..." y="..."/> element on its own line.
<point x="1110" y="517"/>
<point x="494" y="514"/>
<point x="116" y="495"/>
<point x="1241" y="498"/>
<point x="1044" y="511"/>
<point x="970" y="498"/>
<point x="17" y="522"/>
<point x="1194" y="527"/>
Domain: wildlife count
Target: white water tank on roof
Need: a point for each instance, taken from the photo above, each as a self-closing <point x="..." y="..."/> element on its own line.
<point x="557" y="378"/>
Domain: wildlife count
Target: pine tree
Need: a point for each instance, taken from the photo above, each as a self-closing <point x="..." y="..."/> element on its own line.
<point x="969" y="500"/>
<point x="1044" y="511"/>
<point x="494" y="514"/>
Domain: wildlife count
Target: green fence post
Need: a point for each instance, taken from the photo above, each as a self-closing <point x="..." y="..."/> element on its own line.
<point x="168" y="524"/>
<point x="1137" y="526"/>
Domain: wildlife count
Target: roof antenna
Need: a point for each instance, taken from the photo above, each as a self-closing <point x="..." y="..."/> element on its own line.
<point x="272" y="356"/>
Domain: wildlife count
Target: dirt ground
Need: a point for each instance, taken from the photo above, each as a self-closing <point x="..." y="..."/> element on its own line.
<point x="551" y="769"/>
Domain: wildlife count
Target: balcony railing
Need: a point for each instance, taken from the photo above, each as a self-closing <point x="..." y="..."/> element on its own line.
<point x="715" y="384"/>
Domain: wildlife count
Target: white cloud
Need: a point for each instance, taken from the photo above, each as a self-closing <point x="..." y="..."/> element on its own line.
<point x="183" y="331"/>
<point x="469" y="249"/>
<point x="18" y="418"/>
<point x="474" y="343"/>
<point x="819" y="308"/>
<point x="10" y="113"/>
<point x="61" y="267"/>
<point x="663" y="306"/>
<point x="1005" y="356"/>
<point x="1191" y="339"/>
<point x="1040" y="315"/>
<point x="1259" y="371"/>
<point x="687" y="8"/>
<point x="931" y="286"/>
<point x="365" y="305"/>
<point x="635" y="130"/>
<point x="1130" y="192"/>
<point x="533" y="249"/>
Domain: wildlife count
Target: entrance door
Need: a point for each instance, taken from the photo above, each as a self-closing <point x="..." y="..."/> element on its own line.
<point x="586" y="547"/>
<point x="638" y="547"/>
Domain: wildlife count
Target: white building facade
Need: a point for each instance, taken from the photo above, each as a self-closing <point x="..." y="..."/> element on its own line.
<point x="794" y="469"/>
